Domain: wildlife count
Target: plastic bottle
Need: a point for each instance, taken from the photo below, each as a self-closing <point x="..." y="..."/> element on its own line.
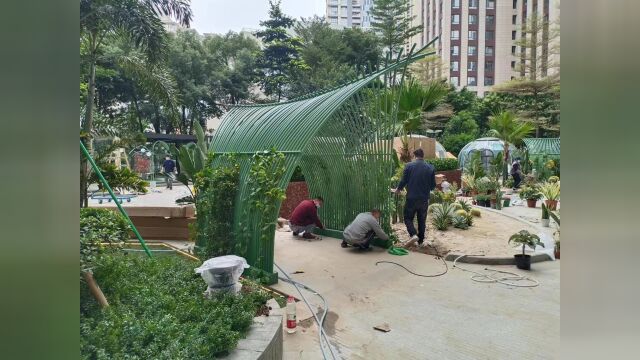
<point x="291" y="315"/>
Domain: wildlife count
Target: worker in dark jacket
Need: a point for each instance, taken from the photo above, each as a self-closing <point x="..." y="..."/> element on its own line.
<point x="419" y="178"/>
<point x="305" y="217"/>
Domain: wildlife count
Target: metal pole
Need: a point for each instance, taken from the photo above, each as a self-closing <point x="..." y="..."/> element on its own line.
<point x="113" y="196"/>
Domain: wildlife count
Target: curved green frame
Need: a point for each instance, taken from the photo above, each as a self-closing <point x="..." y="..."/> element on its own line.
<point x="342" y="139"/>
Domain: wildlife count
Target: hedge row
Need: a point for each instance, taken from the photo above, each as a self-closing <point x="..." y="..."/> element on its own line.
<point x="443" y="164"/>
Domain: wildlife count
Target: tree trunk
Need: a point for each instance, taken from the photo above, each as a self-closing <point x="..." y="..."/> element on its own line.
<point x="87" y="127"/>
<point x="505" y="172"/>
<point x="137" y="108"/>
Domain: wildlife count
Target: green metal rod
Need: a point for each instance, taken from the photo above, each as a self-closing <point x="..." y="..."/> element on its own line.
<point x="113" y="196"/>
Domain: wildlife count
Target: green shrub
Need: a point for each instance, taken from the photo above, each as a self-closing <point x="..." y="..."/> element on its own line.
<point x="119" y="179"/>
<point x="460" y="222"/>
<point x="216" y="189"/>
<point x="442" y="215"/>
<point x="99" y="226"/>
<point x="453" y="143"/>
<point x="443" y="164"/>
<point x="464" y="204"/>
<point x="158" y="311"/>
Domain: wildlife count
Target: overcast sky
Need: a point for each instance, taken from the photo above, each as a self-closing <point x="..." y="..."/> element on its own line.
<point x="220" y="16"/>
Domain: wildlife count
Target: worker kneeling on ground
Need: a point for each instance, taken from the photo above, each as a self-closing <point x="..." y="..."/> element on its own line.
<point x="305" y="217"/>
<point x="362" y="230"/>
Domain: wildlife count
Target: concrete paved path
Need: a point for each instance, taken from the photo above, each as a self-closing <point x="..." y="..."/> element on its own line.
<point x="447" y="317"/>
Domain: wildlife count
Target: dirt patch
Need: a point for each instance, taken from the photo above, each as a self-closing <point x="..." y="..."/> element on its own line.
<point x="488" y="235"/>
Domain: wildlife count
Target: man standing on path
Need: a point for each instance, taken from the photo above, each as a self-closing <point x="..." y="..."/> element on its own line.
<point x="362" y="230"/>
<point x="305" y="217"/>
<point x="420" y="179"/>
<point x="169" y="167"/>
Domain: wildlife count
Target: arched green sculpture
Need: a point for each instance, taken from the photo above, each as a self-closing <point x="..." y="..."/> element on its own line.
<point x="342" y="139"/>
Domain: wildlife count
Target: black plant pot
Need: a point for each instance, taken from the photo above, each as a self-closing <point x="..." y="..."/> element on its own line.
<point x="523" y="261"/>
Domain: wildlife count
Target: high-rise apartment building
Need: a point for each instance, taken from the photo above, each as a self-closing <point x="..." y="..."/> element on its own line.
<point x="478" y="38"/>
<point x="349" y="13"/>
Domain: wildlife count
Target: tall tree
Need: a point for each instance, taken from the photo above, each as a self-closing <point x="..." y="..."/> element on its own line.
<point x="393" y="23"/>
<point x="136" y="20"/>
<point x="281" y="53"/>
<point x="188" y="63"/>
<point x="535" y="95"/>
<point x="231" y="61"/>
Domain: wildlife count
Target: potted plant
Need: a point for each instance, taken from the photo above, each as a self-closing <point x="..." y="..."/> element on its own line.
<point x="531" y="194"/>
<point x="506" y="201"/>
<point x="545" y="216"/>
<point x="551" y="192"/>
<point x="525" y="238"/>
<point x="492" y="200"/>
<point x="469" y="184"/>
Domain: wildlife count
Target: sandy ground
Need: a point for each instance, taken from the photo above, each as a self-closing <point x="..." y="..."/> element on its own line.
<point x="488" y="235"/>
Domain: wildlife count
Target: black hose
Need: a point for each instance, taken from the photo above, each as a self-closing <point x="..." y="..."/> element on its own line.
<point x="416" y="274"/>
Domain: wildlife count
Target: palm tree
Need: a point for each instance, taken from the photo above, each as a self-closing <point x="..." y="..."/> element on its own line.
<point x="506" y="127"/>
<point x="139" y="22"/>
<point x="414" y="101"/>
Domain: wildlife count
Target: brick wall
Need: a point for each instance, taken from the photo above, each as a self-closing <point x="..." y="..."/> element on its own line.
<point x="452" y="175"/>
<point x="296" y="192"/>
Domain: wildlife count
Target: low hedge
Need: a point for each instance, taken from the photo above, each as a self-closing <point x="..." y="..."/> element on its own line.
<point x="158" y="311"/>
<point x="443" y="164"/>
<point x="99" y="226"/>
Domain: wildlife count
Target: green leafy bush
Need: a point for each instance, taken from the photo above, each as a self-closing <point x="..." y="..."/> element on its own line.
<point x="216" y="192"/>
<point x="158" y="311"/>
<point x="443" y="164"/>
<point x="119" y="179"/>
<point x="99" y="226"/>
<point x="455" y="142"/>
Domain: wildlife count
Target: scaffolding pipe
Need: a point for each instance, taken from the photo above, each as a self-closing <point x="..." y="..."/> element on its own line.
<point x="113" y="196"/>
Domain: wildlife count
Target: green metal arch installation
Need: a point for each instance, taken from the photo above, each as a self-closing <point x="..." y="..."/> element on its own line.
<point x="341" y="138"/>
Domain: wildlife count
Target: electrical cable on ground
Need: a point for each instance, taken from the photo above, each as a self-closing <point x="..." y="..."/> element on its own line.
<point x="490" y="277"/>
<point x="437" y="256"/>
<point x="319" y="322"/>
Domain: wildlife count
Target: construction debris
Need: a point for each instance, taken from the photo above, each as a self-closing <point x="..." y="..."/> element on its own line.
<point x="384" y="327"/>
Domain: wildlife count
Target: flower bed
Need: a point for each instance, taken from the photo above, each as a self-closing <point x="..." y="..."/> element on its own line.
<point x="157" y="310"/>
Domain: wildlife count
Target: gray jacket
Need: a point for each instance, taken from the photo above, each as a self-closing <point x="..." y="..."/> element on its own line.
<point x="363" y="223"/>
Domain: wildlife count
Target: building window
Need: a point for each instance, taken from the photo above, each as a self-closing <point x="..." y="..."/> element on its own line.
<point x="455" y="50"/>
<point x="471" y="51"/>
<point x="471" y="81"/>
<point x="473" y="19"/>
<point x="454" y="81"/>
<point x="455" y="66"/>
<point x="488" y="66"/>
<point x="490" y="35"/>
<point x="515" y="4"/>
<point x="488" y="51"/>
<point x="513" y="64"/>
<point x="488" y="81"/>
<point x="491" y="4"/>
<point x="514" y="19"/>
<point x="513" y="35"/>
<point x="473" y="35"/>
<point x="455" y="19"/>
<point x="455" y="4"/>
<point x="472" y="66"/>
<point x="334" y="20"/>
<point x="490" y="20"/>
<point x="473" y="4"/>
<point x="513" y="50"/>
<point x="455" y="35"/>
